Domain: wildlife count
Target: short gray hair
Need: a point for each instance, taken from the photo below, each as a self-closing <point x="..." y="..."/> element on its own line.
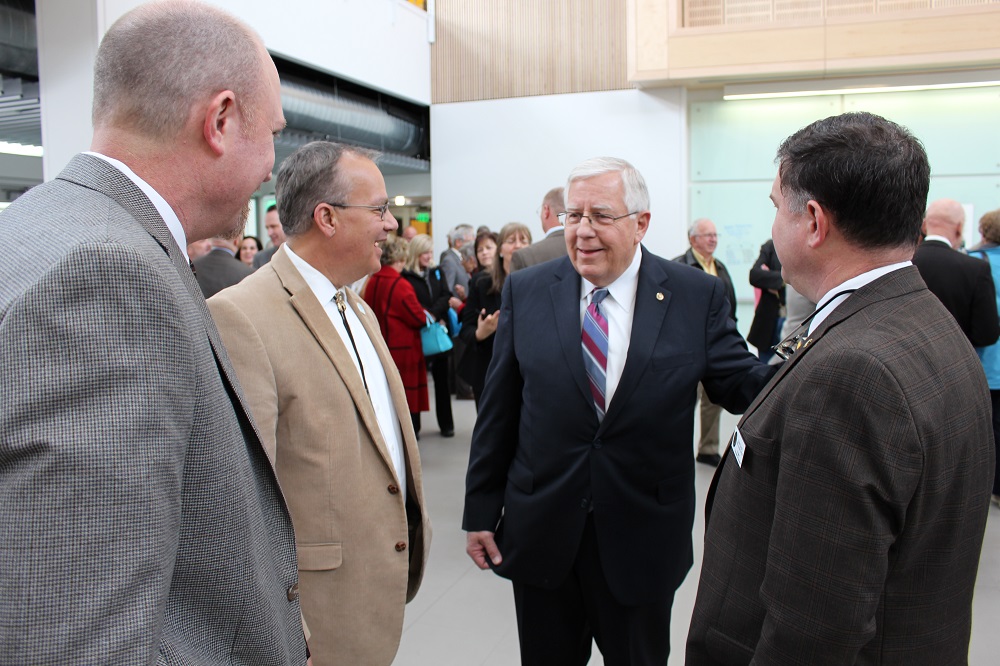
<point x="157" y="60"/>
<point x="693" y="227"/>
<point x="309" y="177"/>
<point x="464" y="232"/>
<point x="636" y="193"/>
<point x="555" y="199"/>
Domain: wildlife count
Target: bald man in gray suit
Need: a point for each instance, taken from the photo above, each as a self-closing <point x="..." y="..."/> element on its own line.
<point x="142" y="521"/>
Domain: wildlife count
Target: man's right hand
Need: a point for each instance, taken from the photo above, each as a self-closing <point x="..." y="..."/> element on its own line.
<point x="479" y="546"/>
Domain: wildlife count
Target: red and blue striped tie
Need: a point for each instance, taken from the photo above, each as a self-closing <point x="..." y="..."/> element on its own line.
<point x="595" y="350"/>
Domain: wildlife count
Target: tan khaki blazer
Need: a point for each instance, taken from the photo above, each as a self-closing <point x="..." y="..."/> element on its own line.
<point x="361" y="545"/>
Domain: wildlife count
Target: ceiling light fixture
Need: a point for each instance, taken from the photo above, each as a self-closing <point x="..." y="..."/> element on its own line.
<point x="862" y="85"/>
<point x="19" y="149"/>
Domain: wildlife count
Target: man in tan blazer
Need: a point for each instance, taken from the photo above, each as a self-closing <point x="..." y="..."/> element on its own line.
<point x="329" y="401"/>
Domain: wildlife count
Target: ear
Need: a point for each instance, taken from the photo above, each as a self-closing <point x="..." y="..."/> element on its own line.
<point x="220" y="121"/>
<point x="325" y="219"/>
<point x="820" y="224"/>
<point x="642" y="224"/>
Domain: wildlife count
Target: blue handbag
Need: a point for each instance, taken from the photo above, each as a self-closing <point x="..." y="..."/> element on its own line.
<point x="434" y="338"/>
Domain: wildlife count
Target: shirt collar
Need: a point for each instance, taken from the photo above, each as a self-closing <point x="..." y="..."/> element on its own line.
<point x="622" y="290"/>
<point x="553" y="230"/>
<point x="942" y="239"/>
<point x="322" y="288"/>
<point x="701" y="259"/>
<point x="162" y="207"/>
<point x="854" y="283"/>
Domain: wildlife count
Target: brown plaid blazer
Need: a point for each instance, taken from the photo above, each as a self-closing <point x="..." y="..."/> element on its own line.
<point x="851" y="533"/>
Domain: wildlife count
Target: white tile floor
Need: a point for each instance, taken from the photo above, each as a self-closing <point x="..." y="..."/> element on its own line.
<point x="465" y="617"/>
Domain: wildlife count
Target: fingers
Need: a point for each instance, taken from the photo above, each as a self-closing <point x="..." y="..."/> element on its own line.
<point x="480" y="546"/>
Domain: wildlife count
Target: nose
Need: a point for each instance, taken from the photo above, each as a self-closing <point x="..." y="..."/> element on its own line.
<point x="390" y="222"/>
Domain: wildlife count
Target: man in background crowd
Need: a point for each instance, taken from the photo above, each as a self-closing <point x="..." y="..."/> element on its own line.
<point x="553" y="244"/>
<point x="220" y="268"/>
<point x="451" y="260"/>
<point x="272" y="225"/>
<point x="704" y="240"/>
<point x="963" y="285"/>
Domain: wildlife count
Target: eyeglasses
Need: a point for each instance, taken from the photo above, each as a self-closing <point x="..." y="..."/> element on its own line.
<point x="716" y="236"/>
<point x="596" y="219"/>
<point x="381" y="209"/>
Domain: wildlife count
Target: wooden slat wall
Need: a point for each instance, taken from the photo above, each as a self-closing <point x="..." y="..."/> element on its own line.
<point x="493" y="49"/>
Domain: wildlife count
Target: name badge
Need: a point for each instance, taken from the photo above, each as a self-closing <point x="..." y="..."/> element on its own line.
<point x="738" y="446"/>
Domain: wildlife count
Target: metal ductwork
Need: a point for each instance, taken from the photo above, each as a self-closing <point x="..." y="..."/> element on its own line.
<point x="337" y="118"/>
<point x="20" y="112"/>
<point x="18" y="41"/>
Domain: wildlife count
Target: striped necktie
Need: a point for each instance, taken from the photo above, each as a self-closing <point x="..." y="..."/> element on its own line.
<point x="595" y="350"/>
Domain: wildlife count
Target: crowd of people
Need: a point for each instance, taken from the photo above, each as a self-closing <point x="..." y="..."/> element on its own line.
<point x="206" y="453"/>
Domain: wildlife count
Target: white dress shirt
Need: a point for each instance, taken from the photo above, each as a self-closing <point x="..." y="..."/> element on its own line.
<point x="618" y="308"/>
<point x="162" y="207"/>
<point x="855" y="282"/>
<point x="378" y="383"/>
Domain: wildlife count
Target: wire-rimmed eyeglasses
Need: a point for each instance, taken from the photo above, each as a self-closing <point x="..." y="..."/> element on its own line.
<point x="572" y="218"/>
<point x="381" y="209"/>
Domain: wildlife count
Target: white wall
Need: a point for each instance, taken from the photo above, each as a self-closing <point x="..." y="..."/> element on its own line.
<point x="381" y="44"/>
<point x="495" y="160"/>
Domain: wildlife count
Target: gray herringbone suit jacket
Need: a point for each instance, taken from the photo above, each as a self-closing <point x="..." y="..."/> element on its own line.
<point x="141" y="520"/>
<point x="852" y="530"/>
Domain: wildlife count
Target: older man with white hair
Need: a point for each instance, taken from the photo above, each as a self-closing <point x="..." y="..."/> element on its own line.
<point x="580" y="486"/>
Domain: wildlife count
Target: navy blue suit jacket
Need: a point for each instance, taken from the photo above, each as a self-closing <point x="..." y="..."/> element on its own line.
<point x="542" y="461"/>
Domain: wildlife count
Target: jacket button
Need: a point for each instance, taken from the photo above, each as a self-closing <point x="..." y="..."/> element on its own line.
<point x="584" y="503"/>
<point x="598" y="443"/>
<point x="293" y="592"/>
<point x="393" y="489"/>
<point x="401" y="546"/>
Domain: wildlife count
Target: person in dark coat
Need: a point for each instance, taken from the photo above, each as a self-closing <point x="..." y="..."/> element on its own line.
<point x="219" y="268"/>
<point x="400" y="318"/>
<point x="432" y="291"/>
<point x="482" y="309"/>
<point x="765" y="330"/>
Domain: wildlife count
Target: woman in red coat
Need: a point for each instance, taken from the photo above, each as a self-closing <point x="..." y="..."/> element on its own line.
<point x="400" y="316"/>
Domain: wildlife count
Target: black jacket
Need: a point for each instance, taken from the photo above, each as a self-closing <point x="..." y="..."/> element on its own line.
<point x="720" y="268"/>
<point x="432" y="291"/>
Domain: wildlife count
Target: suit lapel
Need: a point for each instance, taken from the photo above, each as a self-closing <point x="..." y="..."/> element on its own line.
<point x="565" y="295"/>
<point x="316" y="319"/>
<point x="94" y="173"/>
<point x="648" y="315"/>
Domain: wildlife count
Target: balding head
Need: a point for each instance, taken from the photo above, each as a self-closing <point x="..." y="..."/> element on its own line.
<point x="553" y="204"/>
<point x="945" y="217"/>
<point x="161" y="58"/>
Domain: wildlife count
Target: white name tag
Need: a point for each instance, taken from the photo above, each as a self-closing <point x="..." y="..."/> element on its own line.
<point x="738" y="445"/>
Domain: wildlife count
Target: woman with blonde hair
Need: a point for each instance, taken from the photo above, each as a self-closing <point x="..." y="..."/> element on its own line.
<point x="482" y="308"/>
<point x="400" y="318"/>
<point x="432" y="292"/>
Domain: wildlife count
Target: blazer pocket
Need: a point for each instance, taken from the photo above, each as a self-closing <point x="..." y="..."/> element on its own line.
<point x="672" y="361"/>
<point x="675" y="488"/>
<point x="320" y="556"/>
<point x="760" y="459"/>
<point x="521" y="477"/>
